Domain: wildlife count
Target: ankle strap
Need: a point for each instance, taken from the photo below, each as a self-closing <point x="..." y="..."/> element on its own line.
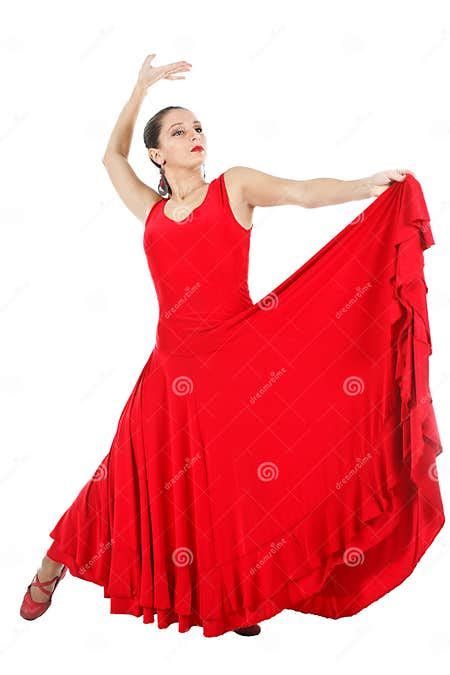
<point x="41" y="584"/>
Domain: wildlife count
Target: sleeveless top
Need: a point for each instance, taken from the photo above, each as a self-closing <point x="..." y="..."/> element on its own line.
<point x="199" y="266"/>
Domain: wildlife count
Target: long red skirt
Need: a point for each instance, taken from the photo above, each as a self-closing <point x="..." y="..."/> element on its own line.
<point x="288" y="460"/>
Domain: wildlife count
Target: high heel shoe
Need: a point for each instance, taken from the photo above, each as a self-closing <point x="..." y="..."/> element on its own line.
<point x="254" y="629"/>
<point x="31" y="609"/>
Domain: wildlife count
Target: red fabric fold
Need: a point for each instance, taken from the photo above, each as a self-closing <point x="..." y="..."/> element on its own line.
<point x="272" y="455"/>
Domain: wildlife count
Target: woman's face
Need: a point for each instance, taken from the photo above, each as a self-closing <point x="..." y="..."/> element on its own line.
<point x="181" y="131"/>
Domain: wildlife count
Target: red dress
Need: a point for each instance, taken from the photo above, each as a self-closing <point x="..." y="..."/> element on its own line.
<point x="272" y="455"/>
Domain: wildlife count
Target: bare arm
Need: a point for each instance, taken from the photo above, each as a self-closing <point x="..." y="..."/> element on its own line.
<point x="257" y="188"/>
<point x="136" y="195"/>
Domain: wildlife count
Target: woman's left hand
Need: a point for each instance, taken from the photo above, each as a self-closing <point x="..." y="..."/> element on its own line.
<point x="380" y="182"/>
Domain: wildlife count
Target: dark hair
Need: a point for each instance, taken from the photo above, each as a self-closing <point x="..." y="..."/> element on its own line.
<point x="152" y="131"/>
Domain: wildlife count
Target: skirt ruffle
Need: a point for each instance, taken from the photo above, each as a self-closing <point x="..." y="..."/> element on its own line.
<point x="151" y="528"/>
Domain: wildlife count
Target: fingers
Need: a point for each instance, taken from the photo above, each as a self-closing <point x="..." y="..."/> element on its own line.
<point x="175" y="69"/>
<point x="398" y="174"/>
<point x="402" y="173"/>
<point x="170" y="74"/>
<point x="167" y="68"/>
<point x="148" y="59"/>
<point x="176" y="64"/>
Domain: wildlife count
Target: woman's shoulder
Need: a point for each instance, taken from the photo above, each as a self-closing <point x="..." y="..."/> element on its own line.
<point x="234" y="179"/>
<point x="237" y="177"/>
<point x="151" y="208"/>
<point x="233" y="195"/>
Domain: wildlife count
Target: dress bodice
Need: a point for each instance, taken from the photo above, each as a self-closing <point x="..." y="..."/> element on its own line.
<point x="199" y="265"/>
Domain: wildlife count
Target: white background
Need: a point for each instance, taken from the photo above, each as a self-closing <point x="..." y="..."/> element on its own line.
<point x="298" y="90"/>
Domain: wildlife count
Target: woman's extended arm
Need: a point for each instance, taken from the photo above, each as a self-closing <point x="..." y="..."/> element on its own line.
<point x="257" y="188"/>
<point x="136" y="195"/>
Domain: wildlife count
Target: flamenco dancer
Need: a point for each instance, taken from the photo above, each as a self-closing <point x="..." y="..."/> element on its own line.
<point x="176" y="144"/>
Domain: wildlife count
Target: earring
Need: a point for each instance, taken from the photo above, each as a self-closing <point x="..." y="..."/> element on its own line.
<point x="163" y="186"/>
<point x="204" y="174"/>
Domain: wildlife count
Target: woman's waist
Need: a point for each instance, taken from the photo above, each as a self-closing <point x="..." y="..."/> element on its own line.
<point x="202" y="330"/>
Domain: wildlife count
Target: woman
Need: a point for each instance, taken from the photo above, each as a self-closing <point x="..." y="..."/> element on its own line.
<point x="176" y="144"/>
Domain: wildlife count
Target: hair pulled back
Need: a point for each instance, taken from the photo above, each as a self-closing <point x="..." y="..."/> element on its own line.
<point x="152" y="132"/>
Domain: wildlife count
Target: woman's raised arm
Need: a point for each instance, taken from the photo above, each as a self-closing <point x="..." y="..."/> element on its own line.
<point x="136" y="195"/>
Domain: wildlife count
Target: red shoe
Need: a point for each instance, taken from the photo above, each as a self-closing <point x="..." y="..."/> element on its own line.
<point x="31" y="609"/>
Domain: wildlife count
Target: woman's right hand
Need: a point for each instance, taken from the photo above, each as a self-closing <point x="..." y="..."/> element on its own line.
<point x="149" y="74"/>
